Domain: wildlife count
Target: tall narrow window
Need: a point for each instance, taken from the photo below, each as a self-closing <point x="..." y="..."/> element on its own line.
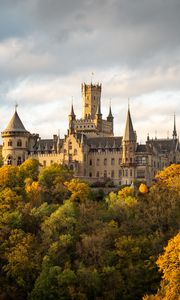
<point x="112" y="161"/>
<point x="19" y="161"/>
<point x="105" y="162"/>
<point x="19" y="143"/>
<point x="10" y="143"/>
<point x="9" y="160"/>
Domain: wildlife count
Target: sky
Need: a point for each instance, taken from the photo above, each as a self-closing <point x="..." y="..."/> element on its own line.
<point x="49" y="47"/>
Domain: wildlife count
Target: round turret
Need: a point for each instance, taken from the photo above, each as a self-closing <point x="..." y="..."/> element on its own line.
<point x="15" y="142"/>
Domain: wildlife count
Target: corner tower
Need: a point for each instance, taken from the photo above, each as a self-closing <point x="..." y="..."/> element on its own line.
<point x="91" y="96"/>
<point x="15" y="142"/>
<point x="129" y="144"/>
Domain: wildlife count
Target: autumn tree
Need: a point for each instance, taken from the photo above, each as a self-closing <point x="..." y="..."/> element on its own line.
<point x="169" y="265"/>
<point x="29" y="169"/>
<point x="51" y="180"/>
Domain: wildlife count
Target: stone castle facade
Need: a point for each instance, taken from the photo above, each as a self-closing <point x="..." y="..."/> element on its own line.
<point x="90" y="148"/>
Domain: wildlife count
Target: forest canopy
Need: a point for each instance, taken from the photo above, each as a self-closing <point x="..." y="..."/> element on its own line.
<point x="60" y="239"/>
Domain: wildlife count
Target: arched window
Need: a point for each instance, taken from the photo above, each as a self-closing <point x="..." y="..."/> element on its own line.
<point x="19" y="161"/>
<point x="105" y="162"/>
<point x="70" y="145"/>
<point x="112" y="161"/>
<point x="90" y="162"/>
<point x="10" y="143"/>
<point x="105" y="174"/>
<point x="9" y="160"/>
<point x="90" y="174"/>
<point x="19" y="143"/>
<point x="112" y="174"/>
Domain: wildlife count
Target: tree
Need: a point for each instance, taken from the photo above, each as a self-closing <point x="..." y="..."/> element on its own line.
<point x="9" y="177"/>
<point x="143" y="188"/>
<point x="29" y="169"/>
<point x="23" y="258"/>
<point x="170" y="177"/>
<point x="80" y="191"/>
<point x="169" y="265"/>
<point x="51" y="180"/>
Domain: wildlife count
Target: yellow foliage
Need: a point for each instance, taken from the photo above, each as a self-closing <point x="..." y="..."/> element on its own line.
<point x="125" y="192"/>
<point x="169" y="264"/>
<point x="170" y="177"/>
<point x="33" y="191"/>
<point x="80" y="190"/>
<point x="143" y="189"/>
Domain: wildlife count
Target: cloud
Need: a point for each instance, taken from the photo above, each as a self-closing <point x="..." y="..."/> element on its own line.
<point x="48" y="47"/>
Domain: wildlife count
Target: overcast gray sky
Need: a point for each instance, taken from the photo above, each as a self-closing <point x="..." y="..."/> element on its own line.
<point x="49" y="47"/>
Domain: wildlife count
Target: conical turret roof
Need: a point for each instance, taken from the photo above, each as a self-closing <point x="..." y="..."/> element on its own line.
<point x="15" y="124"/>
<point x="174" y="130"/>
<point x="72" y="110"/>
<point x="129" y="134"/>
<point x="110" y="112"/>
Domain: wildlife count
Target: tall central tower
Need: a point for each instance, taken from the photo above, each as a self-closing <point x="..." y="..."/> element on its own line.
<point x="91" y="96"/>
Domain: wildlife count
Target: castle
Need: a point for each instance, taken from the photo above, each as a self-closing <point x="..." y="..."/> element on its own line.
<point x="90" y="148"/>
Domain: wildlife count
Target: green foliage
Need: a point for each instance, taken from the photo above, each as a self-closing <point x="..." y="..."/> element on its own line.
<point x="9" y="177"/>
<point x="29" y="169"/>
<point x="60" y="240"/>
<point x="51" y="180"/>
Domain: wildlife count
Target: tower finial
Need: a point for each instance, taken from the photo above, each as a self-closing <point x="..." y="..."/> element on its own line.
<point x="174" y="129"/>
<point x="110" y="116"/>
<point x="128" y="103"/>
<point x="16" y="106"/>
<point x="92" y="74"/>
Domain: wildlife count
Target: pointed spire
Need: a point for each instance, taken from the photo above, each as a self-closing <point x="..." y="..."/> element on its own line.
<point x="174" y="130"/>
<point x="129" y="134"/>
<point x="110" y="115"/>
<point x="72" y="111"/>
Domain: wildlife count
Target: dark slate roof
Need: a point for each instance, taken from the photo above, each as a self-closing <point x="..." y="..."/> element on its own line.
<point x="164" y="145"/>
<point x="15" y="124"/>
<point x="46" y="144"/>
<point x="129" y="134"/>
<point x="142" y="148"/>
<point x="104" y="142"/>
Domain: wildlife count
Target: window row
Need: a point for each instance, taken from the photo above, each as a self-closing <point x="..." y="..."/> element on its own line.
<point x="18" y="143"/>
<point x="105" y="161"/>
<point x="70" y="148"/>
<point x="10" y="160"/>
<point x="121" y="173"/>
